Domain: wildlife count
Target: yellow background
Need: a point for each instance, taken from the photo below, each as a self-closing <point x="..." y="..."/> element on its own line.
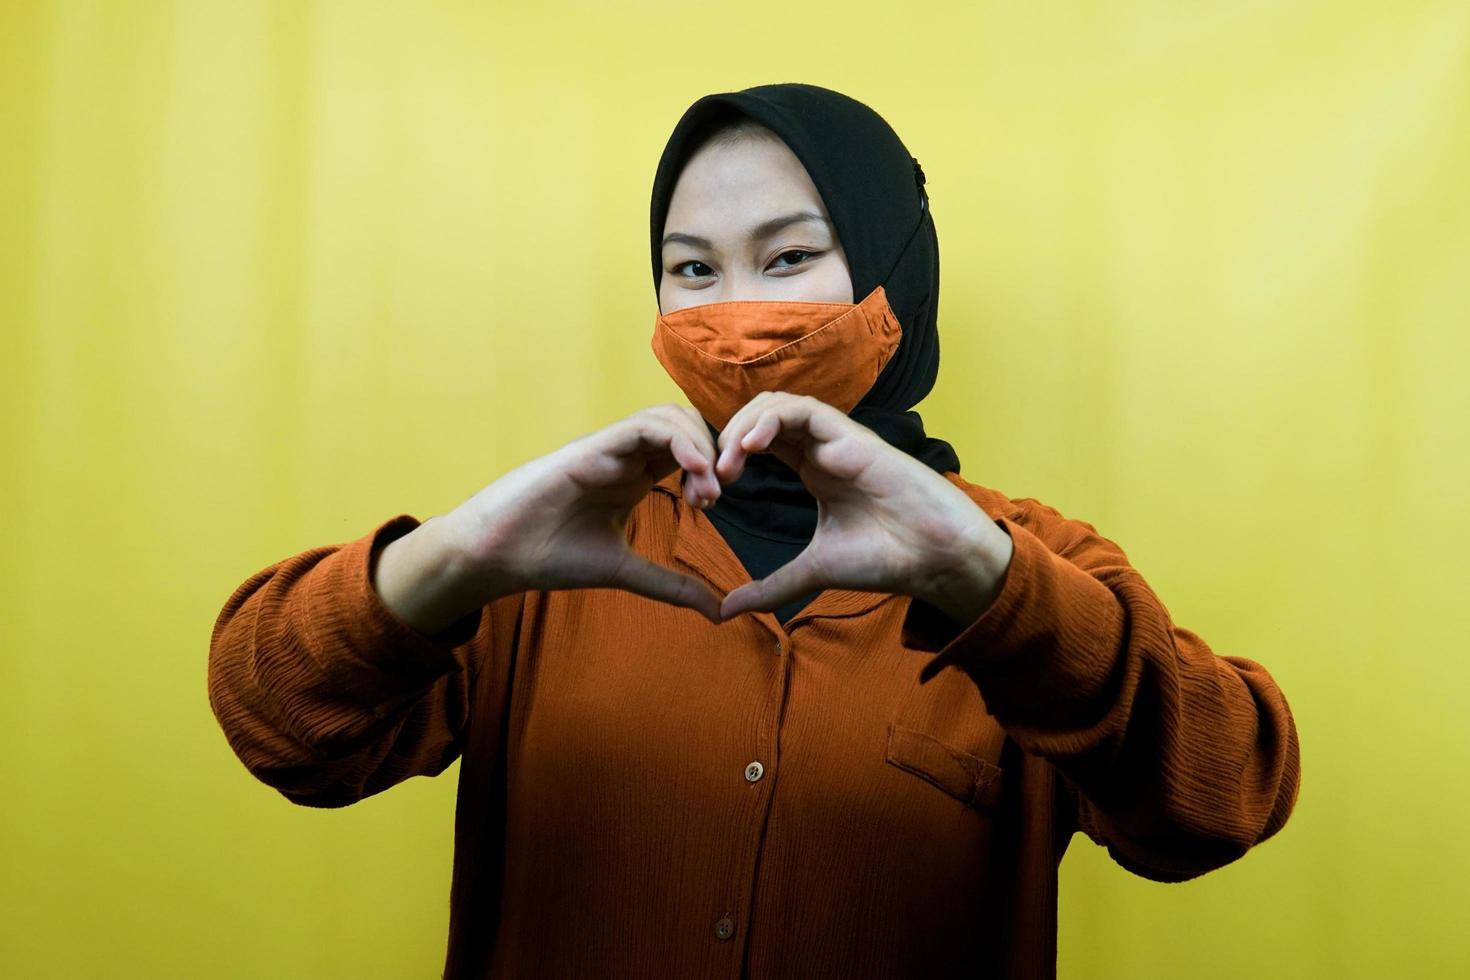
<point x="273" y="272"/>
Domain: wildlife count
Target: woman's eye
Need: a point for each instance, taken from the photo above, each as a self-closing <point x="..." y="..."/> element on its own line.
<point x="699" y="275"/>
<point x="794" y="251"/>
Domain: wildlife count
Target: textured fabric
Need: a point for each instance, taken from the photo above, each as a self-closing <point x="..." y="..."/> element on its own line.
<point x="874" y="191"/>
<point x="724" y="354"/>
<point x="611" y="821"/>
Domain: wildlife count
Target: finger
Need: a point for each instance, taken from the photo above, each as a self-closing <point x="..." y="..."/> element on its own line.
<point x="791" y="581"/>
<point x="702" y="486"/>
<point x="788" y="418"/>
<point x="678" y="445"/>
<point x="739" y="423"/>
<point x="768" y="425"/>
<point x="654" y="434"/>
<point x="699" y="475"/>
<point x="700" y="428"/>
<point x="649" y="579"/>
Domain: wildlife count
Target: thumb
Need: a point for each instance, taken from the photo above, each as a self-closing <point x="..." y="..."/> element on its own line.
<point x="791" y="581"/>
<point x="649" y="579"/>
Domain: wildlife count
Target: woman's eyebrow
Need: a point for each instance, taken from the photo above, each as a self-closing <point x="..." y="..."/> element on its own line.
<point x="763" y="230"/>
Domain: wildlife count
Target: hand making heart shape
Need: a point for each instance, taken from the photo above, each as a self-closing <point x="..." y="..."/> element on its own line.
<point x="885" y="521"/>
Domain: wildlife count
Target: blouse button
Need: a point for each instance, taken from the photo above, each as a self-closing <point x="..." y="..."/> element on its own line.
<point x="725" y="928"/>
<point x="754" y="771"/>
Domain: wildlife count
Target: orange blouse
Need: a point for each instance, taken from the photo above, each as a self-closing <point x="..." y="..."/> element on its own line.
<point x="643" y="793"/>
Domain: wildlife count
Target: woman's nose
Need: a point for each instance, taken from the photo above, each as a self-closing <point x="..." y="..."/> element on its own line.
<point x="744" y="286"/>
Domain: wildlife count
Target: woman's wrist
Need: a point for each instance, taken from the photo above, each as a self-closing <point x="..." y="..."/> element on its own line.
<point x="426" y="580"/>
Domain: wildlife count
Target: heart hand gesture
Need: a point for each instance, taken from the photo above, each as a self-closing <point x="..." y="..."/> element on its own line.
<point x="885" y="521"/>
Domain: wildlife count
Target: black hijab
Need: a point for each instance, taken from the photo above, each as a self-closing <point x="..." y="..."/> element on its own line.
<point x="874" y="191"/>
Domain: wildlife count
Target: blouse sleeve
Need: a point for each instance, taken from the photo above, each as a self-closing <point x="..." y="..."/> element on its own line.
<point x="325" y="695"/>
<point x="1179" y="760"/>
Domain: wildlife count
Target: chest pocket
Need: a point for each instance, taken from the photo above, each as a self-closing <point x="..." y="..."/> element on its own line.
<point x="942" y="734"/>
<point x="965" y="776"/>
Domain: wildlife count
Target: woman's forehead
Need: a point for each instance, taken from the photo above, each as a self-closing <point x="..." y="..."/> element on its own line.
<point x="753" y="188"/>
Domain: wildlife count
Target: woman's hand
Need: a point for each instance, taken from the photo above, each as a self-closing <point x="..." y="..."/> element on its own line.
<point x="557" y="522"/>
<point x="885" y="521"/>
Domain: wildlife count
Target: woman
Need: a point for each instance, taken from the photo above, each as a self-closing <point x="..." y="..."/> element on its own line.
<point x="694" y="662"/>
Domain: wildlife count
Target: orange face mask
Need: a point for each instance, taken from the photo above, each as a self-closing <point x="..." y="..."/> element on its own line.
<point x="723" y="354"/>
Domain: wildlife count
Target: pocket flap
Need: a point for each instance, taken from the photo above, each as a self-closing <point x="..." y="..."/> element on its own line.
<point x="965" y="776"/>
